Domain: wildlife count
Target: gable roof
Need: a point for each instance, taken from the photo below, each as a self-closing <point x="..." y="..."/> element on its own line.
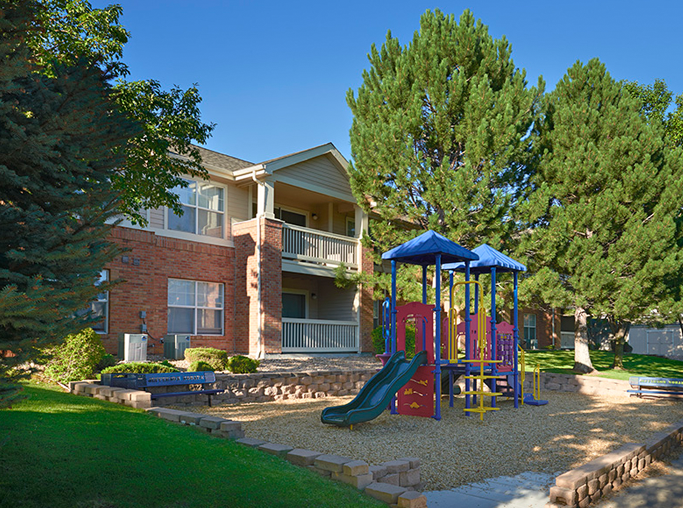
<point x="423" y="250"/>
<point x="488" y="258"/>
<point x="215" y="160"/>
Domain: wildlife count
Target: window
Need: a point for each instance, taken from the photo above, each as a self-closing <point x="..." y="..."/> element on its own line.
<point x="291" y="217"/>
<point x="203" y="205"/>
<point x="294" y="305"/>
<point x="195" y="307"/>
<point x="530" y="331"/>
<point x="351" y="227"/>
<point x="100" y="306"/>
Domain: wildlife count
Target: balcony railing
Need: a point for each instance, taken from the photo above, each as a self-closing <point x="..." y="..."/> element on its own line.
<point x="320" y="336"/>
<point x="318" y="246"/>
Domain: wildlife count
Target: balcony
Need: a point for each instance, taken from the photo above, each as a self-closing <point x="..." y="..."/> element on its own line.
<point x="319" y="247"/>
<point x="320" y="336"/>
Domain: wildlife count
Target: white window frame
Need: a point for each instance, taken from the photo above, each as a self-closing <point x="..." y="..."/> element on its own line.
<point x="196" y="206"/>
<point x="197" y="307"/>
<point x="352" y="222"/>
<point x="529" y="343"/>
<point x="104" y="277"/>
<point x="307" y="303"/>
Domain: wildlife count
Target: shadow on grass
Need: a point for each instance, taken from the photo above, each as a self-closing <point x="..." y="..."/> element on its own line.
<point x="562" y="362"/>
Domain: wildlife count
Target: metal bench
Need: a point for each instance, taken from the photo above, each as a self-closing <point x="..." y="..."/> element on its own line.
<point x="144" y="381"/>
<point x="656" y="386"/>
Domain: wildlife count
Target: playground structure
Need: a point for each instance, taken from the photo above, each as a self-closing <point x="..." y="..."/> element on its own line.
<point x="492" y="352"/>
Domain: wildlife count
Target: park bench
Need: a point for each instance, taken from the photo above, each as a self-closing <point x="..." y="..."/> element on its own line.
<point x="656" y="386"/>
<point x="144" y="381"/>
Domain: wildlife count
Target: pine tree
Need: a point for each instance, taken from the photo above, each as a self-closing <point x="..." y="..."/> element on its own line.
<point x="57" y="157"/>
<point x="439" y="133"/>
<point x="602" y="215"/>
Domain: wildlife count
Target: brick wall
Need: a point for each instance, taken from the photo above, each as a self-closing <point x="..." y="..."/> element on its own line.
<point x="246" y="295"/>
<point x="152" y="260"/>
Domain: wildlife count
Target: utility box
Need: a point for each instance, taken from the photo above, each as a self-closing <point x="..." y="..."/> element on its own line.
<point x="133" y="347"/>
<point x="175" y="346"/>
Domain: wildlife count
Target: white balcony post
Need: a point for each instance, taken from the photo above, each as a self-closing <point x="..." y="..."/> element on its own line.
<point x="361" y="221"/>
<point x="266" y="199"/>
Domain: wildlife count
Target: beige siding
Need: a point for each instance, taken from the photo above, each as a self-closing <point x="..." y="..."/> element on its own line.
<point x="335" y="304"/>
<point x="319" y="172"/>
<point x="156" y="218"/>
<point x="236" y="207"/>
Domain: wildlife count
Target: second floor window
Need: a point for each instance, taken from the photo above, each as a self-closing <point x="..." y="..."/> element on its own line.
<point x="203" y="205"/>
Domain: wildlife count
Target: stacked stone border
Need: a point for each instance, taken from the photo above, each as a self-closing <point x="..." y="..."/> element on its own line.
<point x="394" y="482"/>
<point x="272" y="386"/>
<point x="589" y="482"/>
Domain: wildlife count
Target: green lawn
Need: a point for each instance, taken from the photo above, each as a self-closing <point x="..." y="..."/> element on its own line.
<point x="61" y="450"/>
<point x="562" y="362"/>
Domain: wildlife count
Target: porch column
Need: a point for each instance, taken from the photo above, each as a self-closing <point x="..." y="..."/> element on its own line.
<point x="265" y="204"/>
<point x="361" y="221"/>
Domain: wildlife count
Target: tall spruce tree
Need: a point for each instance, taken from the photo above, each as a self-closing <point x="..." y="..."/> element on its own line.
<point x="439" y="133"/>
<point x="57" y="157"/>
<point x="602" y="216"/>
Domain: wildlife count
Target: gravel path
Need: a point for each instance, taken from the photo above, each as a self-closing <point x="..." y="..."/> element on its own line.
<point x="571" y="430"/>
<point x="309" y="363"/>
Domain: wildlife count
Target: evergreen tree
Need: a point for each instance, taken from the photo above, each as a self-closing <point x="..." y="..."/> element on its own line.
<point x="602" y="215"/>
<point x="58" y="136"/>
<point x="439" y="134"/>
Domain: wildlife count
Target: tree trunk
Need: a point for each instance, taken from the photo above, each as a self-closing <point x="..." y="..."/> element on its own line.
<point x="582" y="359"/>
<point x="619" y="330"/>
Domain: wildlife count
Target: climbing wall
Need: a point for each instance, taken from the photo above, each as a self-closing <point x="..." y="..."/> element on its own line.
<point x="416" y="398"/>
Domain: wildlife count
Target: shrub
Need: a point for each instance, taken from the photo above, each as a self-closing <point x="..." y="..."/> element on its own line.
<point x="76" y="358"/>
<point x="378" y="341"/>
<point x="239" y="364"/>
<point x="139" y="368"/>
<point x="217" y="358"/>
<point x="106" y="361"/>
<point x="200" y="366"/>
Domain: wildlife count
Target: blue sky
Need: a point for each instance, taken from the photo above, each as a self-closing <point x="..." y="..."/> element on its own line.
<point x="274" y="74"/>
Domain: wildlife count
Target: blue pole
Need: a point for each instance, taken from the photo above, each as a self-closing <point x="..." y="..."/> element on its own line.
<point x="494" y="368"/>
<point x="424" y="301"/>
<point x="515" y="331"/>
<point x="476" y="294"/>
<point x="437" y="338"/>
<point x="393" y="322"/>
<point x="386" y="321"/>
<point x="454" y="337"/>
<point x="468" y="365"/>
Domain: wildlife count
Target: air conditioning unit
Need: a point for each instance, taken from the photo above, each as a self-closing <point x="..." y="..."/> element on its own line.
<point x="133" y="347"/>
<point x="175" y="346"/>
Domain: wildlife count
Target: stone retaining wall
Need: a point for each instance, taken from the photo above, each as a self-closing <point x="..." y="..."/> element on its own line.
<point x="395" y="482"/>
<point x="589" y="385"/>
<point x="589" y="482"/>
<point x="270" y="386"/>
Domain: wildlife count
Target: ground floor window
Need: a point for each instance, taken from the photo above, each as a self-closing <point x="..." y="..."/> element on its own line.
<point x="293" y="305"/>
<point x="100" y="306"/>
<point x="530" y="331"/>
<point x="195" y="307"/>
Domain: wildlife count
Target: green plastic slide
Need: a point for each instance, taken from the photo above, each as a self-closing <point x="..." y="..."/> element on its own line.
<point x="374" y="397"/>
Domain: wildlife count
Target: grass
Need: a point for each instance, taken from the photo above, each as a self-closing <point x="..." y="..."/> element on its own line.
<point x="562" y="362"/>
<point x="61" y="450"/>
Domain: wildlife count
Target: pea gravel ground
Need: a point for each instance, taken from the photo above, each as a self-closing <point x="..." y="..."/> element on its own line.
<point x="571" y="430"/>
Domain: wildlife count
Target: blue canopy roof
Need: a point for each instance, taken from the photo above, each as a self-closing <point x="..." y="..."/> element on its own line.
<point x="488" y="258"/>
<point x="423" y="250"/>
